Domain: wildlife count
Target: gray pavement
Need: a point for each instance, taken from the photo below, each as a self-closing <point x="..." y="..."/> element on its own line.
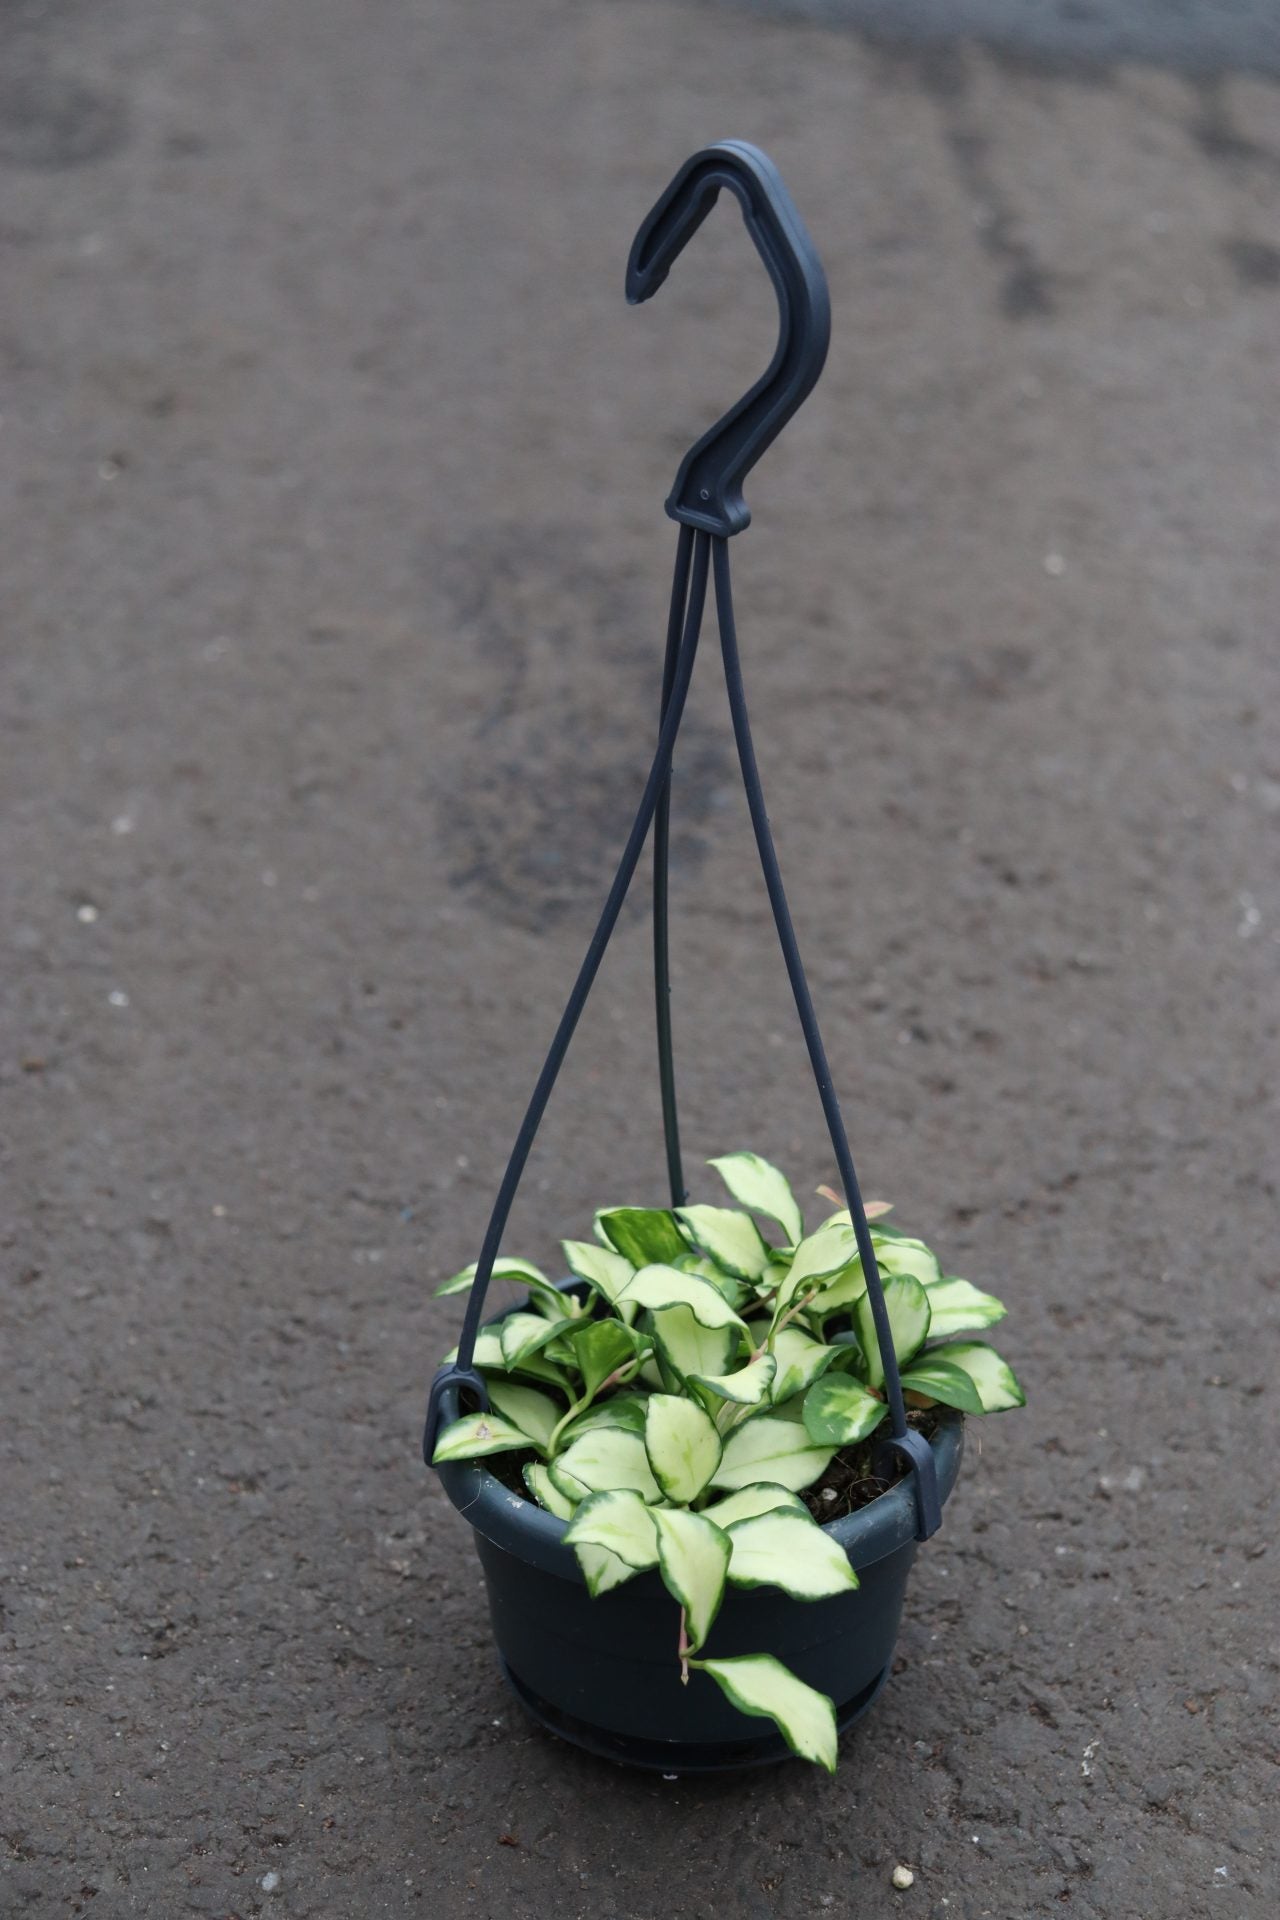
<point x="331" y="606"/>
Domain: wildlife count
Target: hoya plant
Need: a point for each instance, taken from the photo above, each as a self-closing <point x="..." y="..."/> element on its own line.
<point x="699" y="1373"/>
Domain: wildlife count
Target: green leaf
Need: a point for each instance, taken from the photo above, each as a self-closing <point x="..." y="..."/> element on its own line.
<point x="842" y="1290"/>
<point x="682" y="1444"/>
<point x="955" y="1305"/>
<point x="762" y="1496"/>
<point x="694" y="1557"/>
<point x="734" y="1291"/>
<point x="602" y="1570"/>
<point x="760" y="1186"/>
<point x="748" y="1386"/>
<point x="476" y="1434"/>
<point x="624" y="1410"/>
<point x="897" y="1253"/>
<point x="733" y="1239"/>
<point x="690" y="1349"/>
<point x="600" y="1347"/>
<point x="643" y="1235"/>
<point x="619" y="1521"/>
<point x="991" y="1379"/>
<point x="522" y="1335"/>
<point x="768" y="1448"/>
<point x="663" y="1286"/>
<point x="789" y="1550"/>
<point x="608" y="1460"/>
<point x="760" y="1685"/>
<point x="800" y="1361"/>
<point x="534" y="1413"/>
<point x="574" y="1491"/>
<point x="838" y="1411"/>
<point x="908" y="1308"/>
<point x="600" y="1267"/>
<point x="546" y="1492"/>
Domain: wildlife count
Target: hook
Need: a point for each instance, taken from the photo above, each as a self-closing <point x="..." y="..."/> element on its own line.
<point x="708" y="488"/>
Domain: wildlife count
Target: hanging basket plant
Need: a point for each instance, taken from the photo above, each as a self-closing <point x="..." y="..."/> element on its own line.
<point x="697" y="1468"/>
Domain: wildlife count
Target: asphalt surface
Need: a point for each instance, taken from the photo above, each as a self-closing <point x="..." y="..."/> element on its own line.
<point x="332" y="601"/>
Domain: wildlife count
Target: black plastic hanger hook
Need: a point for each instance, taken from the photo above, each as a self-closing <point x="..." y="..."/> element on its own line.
<point x="708" y="488"/>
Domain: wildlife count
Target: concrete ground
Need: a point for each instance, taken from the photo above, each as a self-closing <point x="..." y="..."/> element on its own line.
<point x="332" y="602"/>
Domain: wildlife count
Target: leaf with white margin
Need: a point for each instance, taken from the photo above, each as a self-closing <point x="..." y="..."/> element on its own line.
<point x="733" y="1239"/>
<point x="791" y="1551"/>
<point x="522" y="1272"/>
<point x="546" y="1492"/>
<point x="758" y="1684"/>
<point x="800" y="1359"/>
<point x="689" y="1348"/>
<point x="820" y="1256"/>
<point x="758" y="1185"/>
<point x="907" y="1304"/>
<point x="762" y="1496"/>
<point x="898" y="1253"/>
<point x="522" y="1335"/>
<point x="682" y="1444"/>
<point x="534" y="1413"/>
<point x="662" y="1286"/>
<point x="602" y="1570"/>
<point x="748" y="1386"/>
<point x="608" y="1272"/>
<point x="617" y="1410"/>
<point x="839" y="1411"/>
<point x="622" y="1523"/>
<point x="766" y="1447"/>
<point x="991" y="1378"/>
<point x="607" y="1461"/>
<point x="489" y="1357"/>
<point x="955" y="1305"/>
<point x="694" y="1557"/>
<point x="476" y="1434"/>
<point x="643" y="1235"/>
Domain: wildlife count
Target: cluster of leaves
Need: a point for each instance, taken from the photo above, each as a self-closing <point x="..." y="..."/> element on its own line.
<point x="698" y="1379"/>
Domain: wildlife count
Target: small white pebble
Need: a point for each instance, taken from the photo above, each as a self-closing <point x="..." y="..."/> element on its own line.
<point x="828" y="1493"/>
<point x="269" y="1882"/>
<point x="219" y="1212"/>
<point x="86" y="914"/>
<point x="117" y="998"/>
<point x="1054" y="565"/>
<point x="903" y="1878"/>
<point x="123" y="823"/>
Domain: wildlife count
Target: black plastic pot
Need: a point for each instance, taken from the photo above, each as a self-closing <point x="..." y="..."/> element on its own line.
<point x="603" y="1673"/>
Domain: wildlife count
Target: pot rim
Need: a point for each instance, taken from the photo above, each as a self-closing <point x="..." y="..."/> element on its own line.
<point x="530" y="1533"/>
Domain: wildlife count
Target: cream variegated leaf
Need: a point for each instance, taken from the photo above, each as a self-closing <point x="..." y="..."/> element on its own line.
<point x="791" y="1551"/>
<point x="767" y="1447"/>
<point x="758" y="1185"/>
<point x="758" y="1684"/>
<point x="619" y="1521"/>
<point x="682" y="1444"/>
<point x="733" y="1239"/>
<point x="694" y="1557"/>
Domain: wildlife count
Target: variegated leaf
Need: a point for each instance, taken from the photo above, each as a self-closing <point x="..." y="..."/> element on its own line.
<point x="682" y="1444"/>
<point x="791" y="1551"/>
<point x="477" y="1434"/>
<point x="694" y="1557"/>
<point x="762" y="1496"/>
<point x="606" y="1460"/>
<point x="800" y="1361"/>
<point x="991" y="1380"/>
<point x="663" y="1286"/>
<point x="756" y="1184"/>
<point x="688" y="1347"/>
<point x="955" y="1305"/>
<point x="646" y="1236"/>
<point x="748" y="1386"/>
<point x="534" y="1413"/>
<point x="907" y="1304"/>
<point x="733" y="1239"/>
<point x="839" y="1411"/>
<point x="546" y="1492"/>
<point x="760" y="1685"/>
<point x="767" y="1447"/>
<point x="608" y="1272"/>
<point x="619" y="1521"/>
